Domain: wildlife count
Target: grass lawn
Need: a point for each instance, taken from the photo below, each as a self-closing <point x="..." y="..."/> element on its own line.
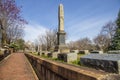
<point x="77" y="62"/>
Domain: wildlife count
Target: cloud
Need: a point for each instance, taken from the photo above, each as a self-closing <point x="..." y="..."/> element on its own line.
<point x="86" y="28"/>
<point x="32" y="31"/>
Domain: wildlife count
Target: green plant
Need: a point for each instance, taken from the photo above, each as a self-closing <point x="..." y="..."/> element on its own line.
<point x="14" y="46"/>
<point x="76" y="62"/>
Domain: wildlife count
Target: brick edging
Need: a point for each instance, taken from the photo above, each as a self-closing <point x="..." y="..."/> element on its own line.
<point x="35" y="76"/>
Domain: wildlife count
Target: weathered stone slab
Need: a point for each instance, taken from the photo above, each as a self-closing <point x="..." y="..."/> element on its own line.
<point x="106" y="62"/>
<point x="53" y="54"/>
<point x="114" y="52"/>
<point x="67" y="57"/>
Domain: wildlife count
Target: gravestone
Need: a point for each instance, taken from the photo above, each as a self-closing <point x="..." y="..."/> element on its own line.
<point x="67" y="57"/>
<point x="84" y="52"/>
<point x="53" y="54"/>
<point x="106" y="62"/>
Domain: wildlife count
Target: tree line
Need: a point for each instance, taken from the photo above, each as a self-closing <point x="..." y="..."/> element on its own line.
<point x="107" y="39"/>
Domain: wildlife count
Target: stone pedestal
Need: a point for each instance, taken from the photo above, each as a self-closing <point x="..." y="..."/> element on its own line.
<point x="62" y="49"/>
<point x="67" y="57"/>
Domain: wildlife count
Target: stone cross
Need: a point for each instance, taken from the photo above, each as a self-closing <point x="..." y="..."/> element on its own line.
<point x="61" y="18"/>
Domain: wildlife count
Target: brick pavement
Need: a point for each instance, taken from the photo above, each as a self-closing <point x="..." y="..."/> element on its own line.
<point x="16" y="67"/>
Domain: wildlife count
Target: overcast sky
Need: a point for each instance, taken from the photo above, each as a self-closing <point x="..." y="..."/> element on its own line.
<point x="83" y="18"/>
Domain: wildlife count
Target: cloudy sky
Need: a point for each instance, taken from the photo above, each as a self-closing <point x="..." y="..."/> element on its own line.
<point x="83" y="18"/>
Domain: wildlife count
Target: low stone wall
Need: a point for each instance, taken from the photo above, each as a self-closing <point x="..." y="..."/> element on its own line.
<point x="51" y="70"/>
<point x="1" y="57"/>
<point x="5" y="54"/>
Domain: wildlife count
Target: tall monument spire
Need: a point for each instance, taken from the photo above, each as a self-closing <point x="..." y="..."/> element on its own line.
<point x="61" y="34"/>
<point x="61" y="18"/>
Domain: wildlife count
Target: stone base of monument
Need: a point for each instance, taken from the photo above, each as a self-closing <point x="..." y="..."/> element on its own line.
<point x="106" y="62"/>
<point x="66" y="50"/>
<point x="62" y="49"/>
<point x="67" y="57"/>
<point x="53" y="54"/>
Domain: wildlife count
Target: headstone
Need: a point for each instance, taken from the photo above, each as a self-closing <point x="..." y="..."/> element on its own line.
<point x="84" y="52"/>
<point x="106" y="62"/>
<point x="67" y="57"/>
<point x="53" y="54"/>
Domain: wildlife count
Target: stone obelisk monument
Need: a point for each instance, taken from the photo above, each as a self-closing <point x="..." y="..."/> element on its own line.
<point x="63" y="52"/>
<point x="61" y="33"/>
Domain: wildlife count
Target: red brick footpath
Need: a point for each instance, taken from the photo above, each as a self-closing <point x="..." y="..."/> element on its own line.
<point x="16" y="67"/>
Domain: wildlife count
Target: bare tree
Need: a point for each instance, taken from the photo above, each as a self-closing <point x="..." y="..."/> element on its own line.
<point x="81" y="44"/>
<point x="72" y="45"/>
<point x="48" y="40"/>
<point x="109" y="29"/>
<point x="84" y="44"/>
<point x="15" y="32"/>
<point x="9" y="16"/>
<point x="102" y="42"/>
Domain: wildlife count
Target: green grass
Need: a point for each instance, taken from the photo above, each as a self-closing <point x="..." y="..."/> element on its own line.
<point x="77" y="62"/>
<point x="79" y="56"/>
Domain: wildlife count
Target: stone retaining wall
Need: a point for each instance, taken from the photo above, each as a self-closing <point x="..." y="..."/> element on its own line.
<point x="51" y="70"/>
<point x="5" y="54"/>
